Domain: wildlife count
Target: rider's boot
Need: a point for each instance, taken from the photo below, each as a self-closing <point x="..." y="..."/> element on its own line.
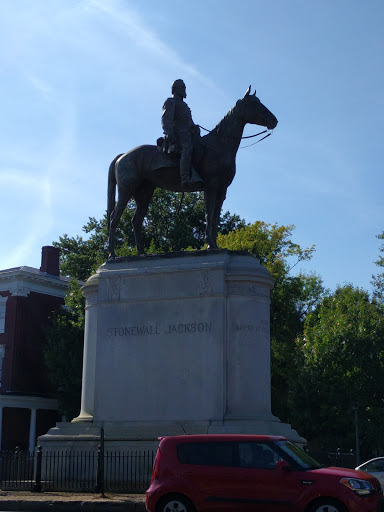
<point x="185" y="180"/>
<point x="196" y="180"/>
<point x="191" y="184"/>
<point x="190" y="180"/>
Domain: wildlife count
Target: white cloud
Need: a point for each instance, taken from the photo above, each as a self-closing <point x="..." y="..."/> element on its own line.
<point x="17" y="178"/>
<point x="131" y="24"/>
<point x="42" y="87"/>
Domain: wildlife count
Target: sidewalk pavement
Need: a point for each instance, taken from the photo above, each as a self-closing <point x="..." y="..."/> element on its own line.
<point x="74" y="502"/>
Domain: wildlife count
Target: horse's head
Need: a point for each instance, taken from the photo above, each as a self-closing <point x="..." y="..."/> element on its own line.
<point x="254" y="112"/>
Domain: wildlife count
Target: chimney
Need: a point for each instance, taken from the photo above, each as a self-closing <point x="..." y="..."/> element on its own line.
<point x="50" y="260"/>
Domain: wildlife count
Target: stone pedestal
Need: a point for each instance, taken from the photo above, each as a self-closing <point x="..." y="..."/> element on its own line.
<point x="174" y="343"/>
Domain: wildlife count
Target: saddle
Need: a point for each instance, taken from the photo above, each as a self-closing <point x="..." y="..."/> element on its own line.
<point x="169" y="149"/>
<point x="172" y="152"/>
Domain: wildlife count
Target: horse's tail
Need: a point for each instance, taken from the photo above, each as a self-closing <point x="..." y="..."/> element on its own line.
<point x="111" y="189"/>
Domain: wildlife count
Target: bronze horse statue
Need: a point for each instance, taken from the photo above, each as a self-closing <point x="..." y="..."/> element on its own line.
<point x="138" y="172"/>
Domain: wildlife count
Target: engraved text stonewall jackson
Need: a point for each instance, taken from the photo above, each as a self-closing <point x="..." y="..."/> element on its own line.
<point x="153" y="330"/>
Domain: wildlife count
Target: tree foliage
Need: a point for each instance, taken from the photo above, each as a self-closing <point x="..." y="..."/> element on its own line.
<point x="64" y="351"/>
<point x="340" y="365"/>
<point x="378" y="279"/>
<point x="173" y="223"/>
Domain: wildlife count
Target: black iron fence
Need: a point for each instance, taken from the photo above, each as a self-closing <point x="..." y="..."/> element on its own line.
<point x="337" y="458"/>
<point x="82" y="471"/>
<point x="17" y="467"/>
<point x="97" y="471"/>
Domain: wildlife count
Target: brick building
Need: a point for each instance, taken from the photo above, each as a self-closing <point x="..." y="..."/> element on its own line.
<point x="27" y="298"/>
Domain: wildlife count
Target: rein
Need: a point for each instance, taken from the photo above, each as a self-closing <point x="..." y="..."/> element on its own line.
<point x="247" y="137"/>
<point x="253" y="143"/>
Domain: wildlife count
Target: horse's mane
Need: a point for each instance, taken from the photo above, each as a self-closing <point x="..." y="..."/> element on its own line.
<point x="225" y="126"/>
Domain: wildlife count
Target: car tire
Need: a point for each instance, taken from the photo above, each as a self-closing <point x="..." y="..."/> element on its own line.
<point x="327" y="505"/>
<point x="175" y="503"/>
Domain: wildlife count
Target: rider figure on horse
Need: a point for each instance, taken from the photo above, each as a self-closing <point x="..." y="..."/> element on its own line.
<point x="180" y="130"/>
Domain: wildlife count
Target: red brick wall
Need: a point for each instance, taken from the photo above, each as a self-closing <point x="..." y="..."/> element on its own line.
<point x="24" y="370"/>
<point x="6" y="339"/>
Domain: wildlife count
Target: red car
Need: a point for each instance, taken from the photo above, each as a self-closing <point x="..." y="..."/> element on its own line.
<point x="238" y="473"/>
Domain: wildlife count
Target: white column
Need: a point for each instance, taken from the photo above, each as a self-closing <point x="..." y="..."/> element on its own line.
<point x="89" y="359"/>
<point x="1" y="424"/>
<point x="32" y="431"/>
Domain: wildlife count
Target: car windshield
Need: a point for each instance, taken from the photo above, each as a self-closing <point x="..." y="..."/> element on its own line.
<point x="373" y="465"/>
<point x="299" y="457"/>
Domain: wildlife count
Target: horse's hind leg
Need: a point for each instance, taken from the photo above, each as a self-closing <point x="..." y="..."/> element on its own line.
<point x="142" y="197"/>
<point x="123" y="198"/>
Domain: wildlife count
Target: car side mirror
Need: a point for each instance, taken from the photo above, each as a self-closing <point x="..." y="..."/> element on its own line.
<point x="283" y="465"/>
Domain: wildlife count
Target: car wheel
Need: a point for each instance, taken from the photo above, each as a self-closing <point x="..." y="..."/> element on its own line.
<point x="327" y="505"/>
<point x="175" y="503"/>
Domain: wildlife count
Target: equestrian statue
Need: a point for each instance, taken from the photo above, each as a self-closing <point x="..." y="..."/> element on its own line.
<point x="182" y="161"/>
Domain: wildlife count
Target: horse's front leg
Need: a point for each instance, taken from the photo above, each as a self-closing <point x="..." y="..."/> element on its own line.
<point x="111" y="242"/>
<point x="214" y="199"/>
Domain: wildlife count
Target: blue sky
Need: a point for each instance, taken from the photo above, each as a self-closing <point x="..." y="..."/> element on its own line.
<point x="84" y="80"/>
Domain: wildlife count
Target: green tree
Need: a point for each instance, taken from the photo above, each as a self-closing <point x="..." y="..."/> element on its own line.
<point x="378" y="280"/>
<point x="292" y="297"/>
<point x="64" y="351"/>
<point x="340" y="364"/>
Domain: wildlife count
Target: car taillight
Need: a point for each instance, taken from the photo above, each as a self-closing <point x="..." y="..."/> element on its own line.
<point x="156" y="466"/>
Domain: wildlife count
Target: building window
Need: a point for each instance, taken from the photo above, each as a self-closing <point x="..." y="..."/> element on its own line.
<point x="2" y="354"/>
<point x="3" y="303"/>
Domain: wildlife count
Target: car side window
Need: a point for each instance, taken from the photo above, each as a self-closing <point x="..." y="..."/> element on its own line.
<point x="257" y="455"/>
<point x="247" y="454"/>
<point x="207" y="454"/>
